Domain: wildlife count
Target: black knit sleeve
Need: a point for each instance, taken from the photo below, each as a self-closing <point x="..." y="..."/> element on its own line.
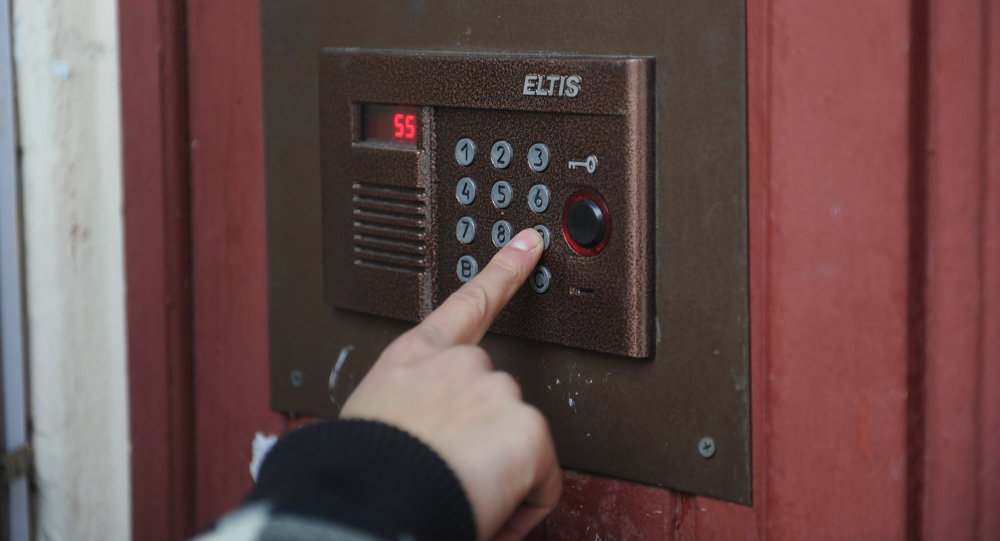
<point x="366" y="475"/>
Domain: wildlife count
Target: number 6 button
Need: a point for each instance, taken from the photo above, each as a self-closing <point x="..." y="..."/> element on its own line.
<point x="538" y="198"/>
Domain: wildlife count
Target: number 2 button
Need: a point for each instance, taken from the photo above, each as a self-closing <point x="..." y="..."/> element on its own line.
<point x="500" y="154"/>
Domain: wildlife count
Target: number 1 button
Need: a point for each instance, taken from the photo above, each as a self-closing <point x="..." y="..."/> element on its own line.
<point x="465" y="151"/>
<point x="500" y="154"/>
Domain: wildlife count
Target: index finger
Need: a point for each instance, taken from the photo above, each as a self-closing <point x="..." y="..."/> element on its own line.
<point x="465" y="316"/>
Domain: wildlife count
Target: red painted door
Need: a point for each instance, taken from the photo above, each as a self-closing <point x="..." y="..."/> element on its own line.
<point x="875" y="276"/>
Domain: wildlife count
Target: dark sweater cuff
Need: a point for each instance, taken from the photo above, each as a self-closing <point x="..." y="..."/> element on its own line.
<point x="368" y="475"/>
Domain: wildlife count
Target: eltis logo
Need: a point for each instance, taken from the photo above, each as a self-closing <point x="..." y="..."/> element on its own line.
<point x="552" y="85"/>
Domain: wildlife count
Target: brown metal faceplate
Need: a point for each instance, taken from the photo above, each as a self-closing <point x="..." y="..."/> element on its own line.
<point x="390" y="213"/>
<point x="634" y="419"/>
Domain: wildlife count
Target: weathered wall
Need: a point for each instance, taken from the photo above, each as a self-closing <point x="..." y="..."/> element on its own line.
<point x="66" y="54"/>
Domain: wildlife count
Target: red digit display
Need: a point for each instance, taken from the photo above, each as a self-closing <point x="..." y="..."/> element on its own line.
<point x="390" y="124"/>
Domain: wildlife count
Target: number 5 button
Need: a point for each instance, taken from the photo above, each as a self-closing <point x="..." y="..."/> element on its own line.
<point x="502" y="194"/>
<point x="538" y="157"/>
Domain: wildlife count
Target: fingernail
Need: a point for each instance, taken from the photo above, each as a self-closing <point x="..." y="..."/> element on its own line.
<point x="527" y="240"/>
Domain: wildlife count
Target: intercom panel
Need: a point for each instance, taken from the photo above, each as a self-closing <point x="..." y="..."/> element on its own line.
<point x="432" y="162"/>
<point x="406" y="141"/>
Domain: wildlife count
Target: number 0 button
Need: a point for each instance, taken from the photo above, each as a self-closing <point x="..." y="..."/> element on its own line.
<point x="466" y="268"/>
<point x="540" y="279"/>
<point x="500" y="154"/>
<point x="538" y="157"/>
<point x="501" y="233"/>
<point x="502" y="194"/>
<point x="465" y="192"/>
<point x="538" y="198"/>
<point x="465" y="229"/>
<point x="465" y="151"/>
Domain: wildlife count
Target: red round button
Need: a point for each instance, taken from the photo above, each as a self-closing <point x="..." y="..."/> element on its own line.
<point x="586" y="223"/>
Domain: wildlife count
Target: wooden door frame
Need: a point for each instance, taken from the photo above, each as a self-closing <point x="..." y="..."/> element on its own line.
<point x="157" y="217"/>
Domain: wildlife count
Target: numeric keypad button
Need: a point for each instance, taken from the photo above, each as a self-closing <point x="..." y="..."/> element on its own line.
<point x="465" y="229"/>
<point x="502" y="194"/>
<point x="546" y="235"/>
<point x="540" y="279"/>
<point x="465" y="191"/>
<point x="501" y="233"/>
<point x="501" y="154"/>
<point x="538" y="157"/>
<point x="466" y="268"/>
<point x="465" y="151"/>
<point x="539" y="197"/>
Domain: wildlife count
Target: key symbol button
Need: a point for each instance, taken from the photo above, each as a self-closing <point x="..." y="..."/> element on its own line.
<point x="590" y="164"/>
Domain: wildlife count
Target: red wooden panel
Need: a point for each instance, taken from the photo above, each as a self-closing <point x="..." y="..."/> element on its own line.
<point x="956" y="204"/>
<point x="836" y="269"/>
<point x="595" y="507"/>
<point x="229" y="259"/>
<point x="157" y="258"/>
<point x="989" y="428"/>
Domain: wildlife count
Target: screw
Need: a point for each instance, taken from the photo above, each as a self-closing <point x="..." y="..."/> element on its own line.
<point x="707" y="447"/>
<point x="298" y="380"/>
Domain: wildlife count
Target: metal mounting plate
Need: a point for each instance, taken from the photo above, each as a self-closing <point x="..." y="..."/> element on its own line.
<point x="638" y="420"/>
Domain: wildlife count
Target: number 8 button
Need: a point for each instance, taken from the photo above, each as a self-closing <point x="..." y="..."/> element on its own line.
<point x="502" y="232"/>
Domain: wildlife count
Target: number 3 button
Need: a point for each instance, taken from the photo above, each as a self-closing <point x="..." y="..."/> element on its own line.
<point x="538" y="157"/>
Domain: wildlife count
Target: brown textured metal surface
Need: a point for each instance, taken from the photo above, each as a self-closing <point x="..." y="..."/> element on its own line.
<point x="390" y="212"/>
<point x="610" y="415"/>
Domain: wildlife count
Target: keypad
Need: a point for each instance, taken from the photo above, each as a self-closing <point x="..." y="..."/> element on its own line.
<point x="513" y="198"/>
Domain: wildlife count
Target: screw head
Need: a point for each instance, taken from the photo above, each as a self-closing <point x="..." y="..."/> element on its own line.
<point x="707" y="447"/>
<point x="298" y="380"/>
